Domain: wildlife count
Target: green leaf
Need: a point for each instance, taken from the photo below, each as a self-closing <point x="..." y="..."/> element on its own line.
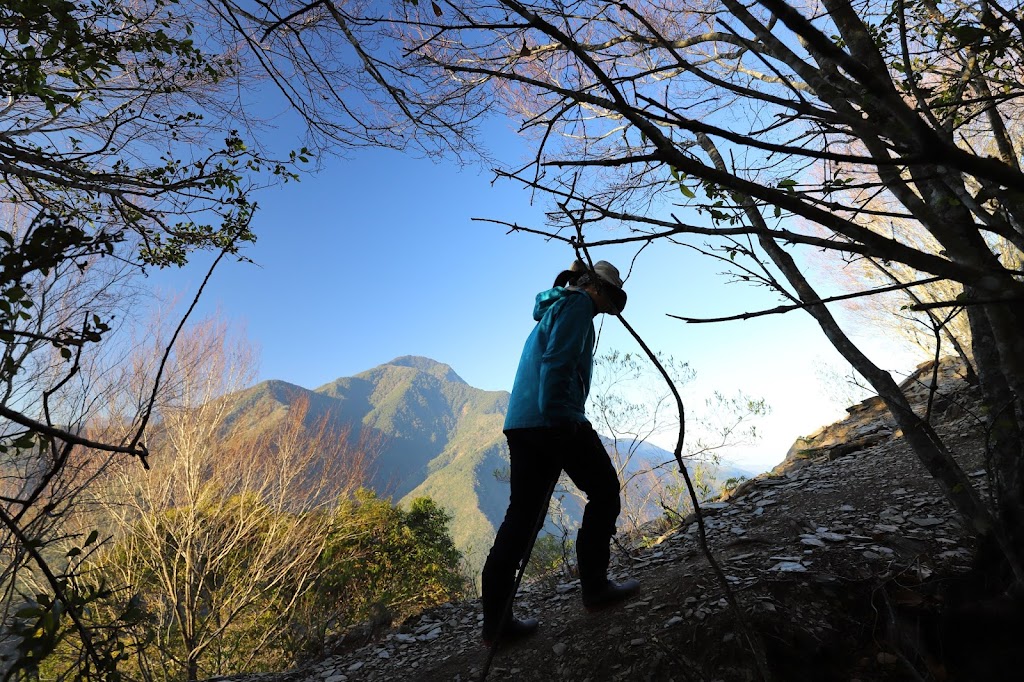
<point x="967" y="35"/>
<point x="29" y="612"/>
<point x="24" y="442"/>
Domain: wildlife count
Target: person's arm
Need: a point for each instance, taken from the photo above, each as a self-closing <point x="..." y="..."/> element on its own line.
<point x="565" y="343"/>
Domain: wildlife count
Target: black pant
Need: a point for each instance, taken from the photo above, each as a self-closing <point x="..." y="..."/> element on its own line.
<point x="537" y="457"/>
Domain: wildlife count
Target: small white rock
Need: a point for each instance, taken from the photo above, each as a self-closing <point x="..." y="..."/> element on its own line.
<point x="430" y="636"/>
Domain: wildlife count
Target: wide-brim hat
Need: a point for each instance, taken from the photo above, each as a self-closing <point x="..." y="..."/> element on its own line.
<point x="609" y="274"/>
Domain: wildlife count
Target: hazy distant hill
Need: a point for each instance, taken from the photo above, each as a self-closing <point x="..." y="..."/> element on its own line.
<point x="441" y="437"/>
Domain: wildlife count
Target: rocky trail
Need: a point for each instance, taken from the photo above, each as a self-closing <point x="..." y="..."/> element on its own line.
<point x="844" y="561"/>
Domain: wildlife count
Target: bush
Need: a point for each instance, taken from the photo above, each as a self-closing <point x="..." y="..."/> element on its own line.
<point x="382" y="563"/>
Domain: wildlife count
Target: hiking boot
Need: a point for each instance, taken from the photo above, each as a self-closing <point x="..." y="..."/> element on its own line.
<point x="610" y="595"/>
<point x="514" y="630"/>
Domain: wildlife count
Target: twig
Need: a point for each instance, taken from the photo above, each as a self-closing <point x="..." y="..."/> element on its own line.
<point x="280" y="22"/>
<point x="170" y="345"/>
<point x="934" y="385"/>
<point x="58" y="592"/>
<point x="702" y="535"/>
<point x="931" y="316"/>
<point x="53" y="432"/>
<point x="798" y="306"/>
<point x="964" y="303"/>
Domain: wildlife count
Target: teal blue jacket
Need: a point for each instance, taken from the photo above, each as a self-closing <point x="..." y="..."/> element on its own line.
<point x="553" y="379"/>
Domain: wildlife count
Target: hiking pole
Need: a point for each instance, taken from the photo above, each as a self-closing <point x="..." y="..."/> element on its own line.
<point x="506" y="612"/>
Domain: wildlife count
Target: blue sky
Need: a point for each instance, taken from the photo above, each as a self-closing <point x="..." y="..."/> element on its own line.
<point x="377" y="256"/>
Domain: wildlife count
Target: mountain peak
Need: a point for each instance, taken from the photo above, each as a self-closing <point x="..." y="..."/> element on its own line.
<point x="432" y="367"/>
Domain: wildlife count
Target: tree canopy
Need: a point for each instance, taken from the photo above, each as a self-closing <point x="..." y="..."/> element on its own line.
<point x="764" y="129"/>
<point x="119" y="155"/>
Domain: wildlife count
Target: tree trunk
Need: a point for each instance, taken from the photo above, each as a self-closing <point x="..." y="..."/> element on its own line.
<point x="923" y="440"/>
<point x="1005" y="453"/>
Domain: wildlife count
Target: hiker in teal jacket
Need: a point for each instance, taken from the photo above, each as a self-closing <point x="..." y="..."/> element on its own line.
<point x="548" y="432"/>
<point x="553" y="380"/>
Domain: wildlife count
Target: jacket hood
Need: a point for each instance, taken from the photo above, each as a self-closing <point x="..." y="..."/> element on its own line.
<point x="546" y="299"/>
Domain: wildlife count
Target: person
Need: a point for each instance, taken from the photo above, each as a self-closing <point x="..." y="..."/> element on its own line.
<point x="548" y="432"/>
